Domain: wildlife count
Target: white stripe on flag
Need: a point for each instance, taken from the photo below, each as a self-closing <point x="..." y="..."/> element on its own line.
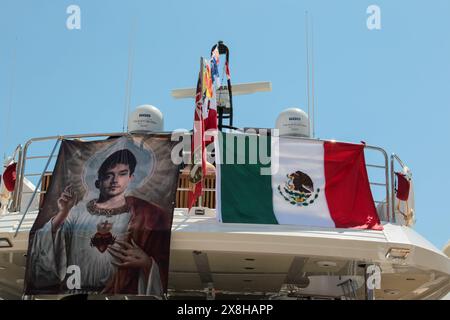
<point x="307" y="157"/>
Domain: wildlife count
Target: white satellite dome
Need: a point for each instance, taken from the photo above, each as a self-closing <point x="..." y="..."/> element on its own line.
<point x="146" y="118"/>
<point x="293" y="122"/>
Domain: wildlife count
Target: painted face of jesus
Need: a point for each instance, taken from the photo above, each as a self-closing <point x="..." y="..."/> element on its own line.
<point x="115" y="180"/>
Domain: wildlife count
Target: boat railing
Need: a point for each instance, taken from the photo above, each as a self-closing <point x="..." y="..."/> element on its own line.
<point x="379" y="183"/>
<point x="16" y="157"/>
<point x="21" y="174"/>
<point x="41" y="177"/>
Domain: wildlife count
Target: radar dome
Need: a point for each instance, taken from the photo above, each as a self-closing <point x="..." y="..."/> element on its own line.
<point x="293" y="122"/>
<point x="145" y="119"/>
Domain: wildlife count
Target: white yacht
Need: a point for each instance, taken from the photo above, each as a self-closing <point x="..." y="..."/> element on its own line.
<point x="214" y="260"/>
<point x="210" y="259"/>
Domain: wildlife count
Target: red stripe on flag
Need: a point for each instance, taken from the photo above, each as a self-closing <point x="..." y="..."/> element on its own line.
<point x="9" y="177"/>
<point x="347" y="187"/>
<point x="227" y="70"/>
<point x="210" y="125"/>
<point x="198" y="152"/>
<point x="403" y="186"/>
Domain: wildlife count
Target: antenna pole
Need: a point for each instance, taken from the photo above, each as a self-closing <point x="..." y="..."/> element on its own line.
<point x="129" y="82"/>
<point x="10" y="102"/>
<point x="312" y="80"/>
<point x="307" y="66"/>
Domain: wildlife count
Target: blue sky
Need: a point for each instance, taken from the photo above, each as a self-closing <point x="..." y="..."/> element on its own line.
<point x="388" y="87"/>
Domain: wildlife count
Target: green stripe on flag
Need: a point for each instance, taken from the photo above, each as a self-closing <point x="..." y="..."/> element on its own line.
<point x="246" y="195"/>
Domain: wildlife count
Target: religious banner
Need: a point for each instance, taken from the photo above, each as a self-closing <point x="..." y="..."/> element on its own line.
<point x="105" y="224"/>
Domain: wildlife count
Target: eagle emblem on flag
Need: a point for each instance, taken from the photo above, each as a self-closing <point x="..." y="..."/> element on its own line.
<point x="298" y="189"/>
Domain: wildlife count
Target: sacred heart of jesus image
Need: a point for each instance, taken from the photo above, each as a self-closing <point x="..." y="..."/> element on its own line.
<point x="103" y="238"/>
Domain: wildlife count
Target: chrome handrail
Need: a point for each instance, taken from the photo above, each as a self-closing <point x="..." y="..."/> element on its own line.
<point x="36" y="188"/>
<point x="23" y="159"/>
<point x="17" y="150"/>
<point x="386" y="175"/>
<point x="14" y="196"/>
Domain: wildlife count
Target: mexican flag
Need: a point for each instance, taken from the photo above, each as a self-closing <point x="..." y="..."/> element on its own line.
<point x="286" y="180"/>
